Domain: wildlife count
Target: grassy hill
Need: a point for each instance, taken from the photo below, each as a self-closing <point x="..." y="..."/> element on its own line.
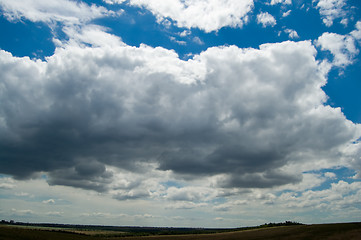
<point x="290" y="232"/>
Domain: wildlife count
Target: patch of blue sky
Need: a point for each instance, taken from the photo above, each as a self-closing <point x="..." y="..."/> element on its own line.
<point x="334" y="175"/>
<point x="139" y="26"/>
<point x="26" y="38"/>
<point x="294" y="193"/>
<point x="344" y="91"/>
<point x="330" y="175"/>
<point x="4" y="195"/>
<point x="169" y="184"/>
<point x="44" y="176"/>
<point x="219" y="200"/>
<point x="136" y="26"/>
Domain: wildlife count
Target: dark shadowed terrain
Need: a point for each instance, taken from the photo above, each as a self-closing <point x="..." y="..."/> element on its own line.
<point x="293" y="232"/>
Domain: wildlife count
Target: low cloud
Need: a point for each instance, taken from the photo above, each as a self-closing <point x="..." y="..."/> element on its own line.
<point x="6" y="183"/>
<point x="190" y="194"/>
<point x="247" y="117"/>
<point x="22" y="212"/>
<point x="185" y="205"/>
<point x="342" y="47"/>
<point x="49" y="201"/>
<point x="131" y="194"/>
<point x="330" y="10"/>
<point x="266" y="19"/>
<point x="292" y="34"/>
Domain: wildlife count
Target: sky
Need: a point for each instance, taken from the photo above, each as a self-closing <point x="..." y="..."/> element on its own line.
<point x="180" y="113"/>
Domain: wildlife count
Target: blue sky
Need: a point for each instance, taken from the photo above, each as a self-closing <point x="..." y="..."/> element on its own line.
<point x="180" y="113"/>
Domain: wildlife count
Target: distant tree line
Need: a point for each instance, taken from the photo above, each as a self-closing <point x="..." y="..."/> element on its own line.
<point x="286" y="223"/>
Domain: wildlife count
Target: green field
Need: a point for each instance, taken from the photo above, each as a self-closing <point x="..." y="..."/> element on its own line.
<point x="294" y="232"/>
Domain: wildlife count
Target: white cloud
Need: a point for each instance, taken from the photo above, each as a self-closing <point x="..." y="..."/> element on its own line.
<point x="309" y="181"/>
<point x="90" y="34"/>
<point x="198" y="41"/>
<point x="7" y="183"/>
<point x="330" y="175"/>
<point x="286" y="14"/>
<point x="131" y="194"/>
<point x="207" y="15"/>
<point x="173" y="39"/>
<point x="49" y="201"/>
<point x="186" y="205"/>
<point x="357" y="32"/>
<point x="229" y="205"/>
<point x="49" y="11"/>
<point x="339" y="197"/>
<point x="185" y="33"/>
<point x="331" y="10"/>
<point x="342" y="47"/>
<point x="191" y="194"/>
<point x="55" y="214"/>
<point x="274" y="2"/>
<point x="291" y="33"/>
<point x="266" y="19"/>
<point x="114" y="1"/>
<point x="22" y="212"/>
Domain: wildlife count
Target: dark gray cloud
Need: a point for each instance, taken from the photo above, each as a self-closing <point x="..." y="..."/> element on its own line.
<point x="242" y="114"/>
<point x="87" y="174"/>
<point x="266" y="179"/>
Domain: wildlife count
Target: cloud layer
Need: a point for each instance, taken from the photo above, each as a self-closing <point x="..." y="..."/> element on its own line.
<point x="331" y="10"/>
<point x="241" y="116"/>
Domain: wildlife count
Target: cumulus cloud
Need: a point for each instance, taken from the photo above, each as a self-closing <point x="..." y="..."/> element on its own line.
<point x="22" y="212"/>
<point x="274" y="2"/>
<point x="132" y="194"/>
<point x="203" y="14"/>
<point x="49" y="201"/>
<point x="87" y="174"/>
<point x="342" y="47"/>
<point x="342" y="195"/>
<point x="6" y="183"/>
<point x="228" y="206"/>
<point x="49" y="11"/>
<point x="331" y="10"/>
<point x="240" y="116"/>
<point x="266" y="19"/>
<point x="191" y="194"/>
<point x="291" y="33"/>
<point x="357" y="32"/>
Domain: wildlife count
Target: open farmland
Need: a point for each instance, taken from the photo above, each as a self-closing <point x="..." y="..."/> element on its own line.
<point x="318" y="231"/>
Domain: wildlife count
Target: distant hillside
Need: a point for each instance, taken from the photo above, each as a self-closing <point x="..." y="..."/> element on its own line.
<point x="286" y="230"/>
